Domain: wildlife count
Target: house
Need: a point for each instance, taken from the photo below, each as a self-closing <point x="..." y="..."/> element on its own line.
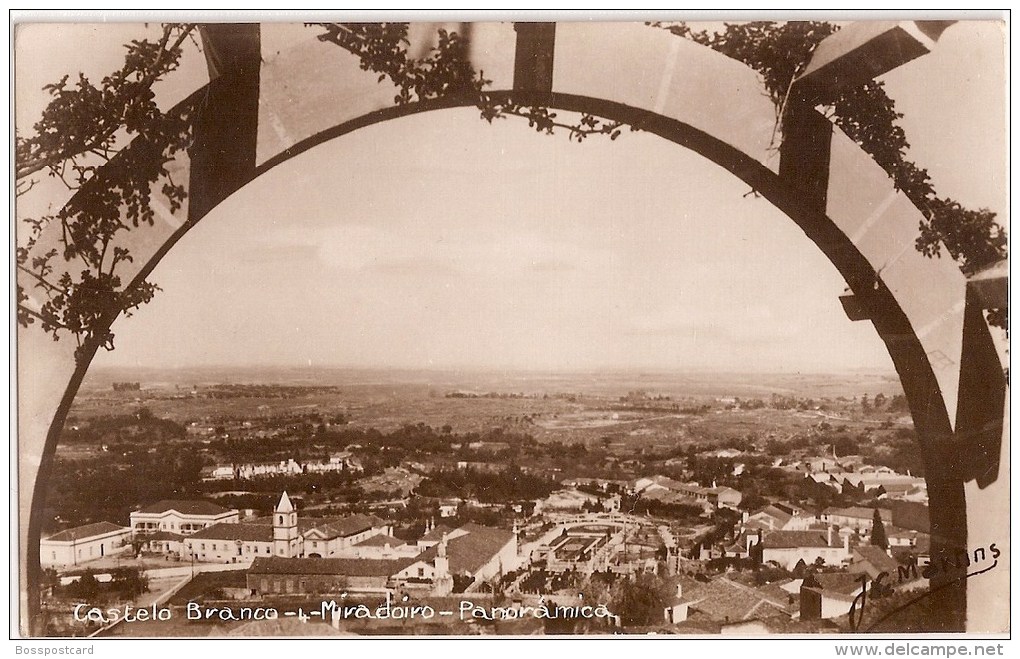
<point x="824" y="596"/>
<point x="229" y="543"/>
<point x="676" y="608"/>
<point x="381" y="546"/>
<point x="726" y="601"/>
<point x="221" y="472"/>
<point x="872" y="561"/>
<point x="82" y="544"/>
<point x="448" y="507"/>
<point x="902" y="537"/>
<point x="471" y="553"/>
<point x="657" y="487"/>
<point x="916" y="492"/>
<point x="433" y="534"/>
<point x="181" y="517"/>
<point x="779" y="517"/>
<point x="788" y="548"/>
<point x="857" y="518"/>
<point x="724" y="497"/>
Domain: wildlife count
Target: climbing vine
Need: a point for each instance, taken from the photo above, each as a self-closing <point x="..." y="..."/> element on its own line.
<point x="779" y="52"/>
<point x="78" y="141"/>
<point x="80" y="136"/>
<point x="383" y="48"/>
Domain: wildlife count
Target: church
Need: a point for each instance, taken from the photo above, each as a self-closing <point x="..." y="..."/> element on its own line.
<point x="284" y="535"/>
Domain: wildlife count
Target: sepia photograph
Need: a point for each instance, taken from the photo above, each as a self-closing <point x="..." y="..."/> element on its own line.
<point x="664" y="325"/>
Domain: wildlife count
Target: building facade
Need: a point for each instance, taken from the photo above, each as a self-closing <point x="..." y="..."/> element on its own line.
<point x="180" y="517"/>
<point x="83" y="544"/>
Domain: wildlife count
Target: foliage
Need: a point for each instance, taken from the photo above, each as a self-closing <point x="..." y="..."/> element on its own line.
<point x="142" y="425"/>
<point x="779" y="52"/>
<point x="77" y="140"/>
<point x="510" y="484"/>
<point x="446" y="70"/>
<point x="111" y="487"/>
<point x="878" y="536"/>
<point x="640" y="602"/>
<point x="129" y="582"/>
<point x="86" y="589"/>
<point x="79" y="135"/>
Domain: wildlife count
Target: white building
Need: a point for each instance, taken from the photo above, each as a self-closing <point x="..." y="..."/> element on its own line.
<point x="472" y="552"/>
<point x="788" y="548"/>
<point x="857" y="518"/>
<point x="180" y="517"/>
<point x="82" y="544"/>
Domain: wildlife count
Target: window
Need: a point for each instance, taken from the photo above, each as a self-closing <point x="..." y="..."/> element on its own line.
<point x="54" y="555"/>
<point x="203" y="545"/>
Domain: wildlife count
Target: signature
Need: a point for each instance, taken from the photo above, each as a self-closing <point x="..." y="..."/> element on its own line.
<point x="878" y="588"/>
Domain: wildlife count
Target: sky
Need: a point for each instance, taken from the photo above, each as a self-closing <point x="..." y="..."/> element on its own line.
<point x="438" y="241"/>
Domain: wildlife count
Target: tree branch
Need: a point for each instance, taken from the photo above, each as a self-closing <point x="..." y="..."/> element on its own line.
<point x="48" y="285"/>
<point x="39" y="162"/>
<point x="48" y="320"/>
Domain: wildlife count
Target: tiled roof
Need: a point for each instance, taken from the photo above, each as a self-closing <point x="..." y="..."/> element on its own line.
<point x="792" y="539"/>
<point x="244" y="531"/>
<point x="185" y="507"/>
<point x="341" y="527"/>
<point x="469" y="552"/>
<point x="380" y="540"/>
<point x="876" y="557"/>
<point x="352" y="567"/>
<point x="725" y="600"/>
<point x="780" y="516"/>
<point x="436" y="533"/>
<point x="841" y="583"/>
<point x="87" y="531"/>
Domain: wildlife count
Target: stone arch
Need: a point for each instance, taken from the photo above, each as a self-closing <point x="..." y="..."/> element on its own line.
<point x="257" y="116"/>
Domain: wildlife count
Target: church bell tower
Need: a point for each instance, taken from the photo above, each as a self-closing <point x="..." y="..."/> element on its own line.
<point x="285" y="530"/>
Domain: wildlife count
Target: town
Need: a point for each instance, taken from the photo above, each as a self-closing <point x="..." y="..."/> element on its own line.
<point x="666" y="512"/>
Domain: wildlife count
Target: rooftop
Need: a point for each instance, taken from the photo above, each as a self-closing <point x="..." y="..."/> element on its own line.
<point x="467" y="553"/>
<point x="793" y="539"/>
<point x="244" y="531"/>
<point x="341" y="527"/>
<point x="381" y="540"/>
<point x="193" y="507"/>
<point x="353" y="567"/>
<point x="87" y="531"/>
<point x="727" y="601"/>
